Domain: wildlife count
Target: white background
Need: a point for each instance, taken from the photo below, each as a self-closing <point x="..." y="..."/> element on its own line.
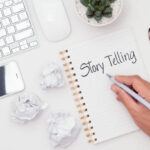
<point x="33" y="136"/>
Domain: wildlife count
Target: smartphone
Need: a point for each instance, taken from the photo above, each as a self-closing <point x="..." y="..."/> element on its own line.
<point x="11" y="81"/>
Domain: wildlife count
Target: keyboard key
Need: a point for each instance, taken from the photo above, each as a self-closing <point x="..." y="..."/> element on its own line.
<point x="11" y="29"/>
<point x="2" y="42"/>
<point x="2" y="32"/>
<point x="1" y="14"/>
<point x="34" y="43"/>
<point x="23" y="25"/>
<point x="14" y="50"/>
<point x="23" y="15"/>
<point x="17" y="8"/>
<point x="24" y="34"/>
<point x="7" y="12"/>
<point x="23" y="42"/>
<point x="5" y="22"/>
<point x="14" y="19"/>
<point x="17" y="1"/>
<point x="23" y="47"/>
<point x="8" y="3"/>
<point x="14" y="45"/>
<point x="1" y="5"/>
<point x="6" y="51"/>
<point x="9" y="40"/>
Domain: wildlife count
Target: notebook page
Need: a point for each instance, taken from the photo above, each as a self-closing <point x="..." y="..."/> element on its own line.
<point x="114" y="54"/>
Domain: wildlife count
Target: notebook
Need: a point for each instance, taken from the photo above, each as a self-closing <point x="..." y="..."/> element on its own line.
<point x="86" y="65"/>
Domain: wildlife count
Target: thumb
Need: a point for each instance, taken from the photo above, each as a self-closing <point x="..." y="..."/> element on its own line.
<point x="128" y="101"/>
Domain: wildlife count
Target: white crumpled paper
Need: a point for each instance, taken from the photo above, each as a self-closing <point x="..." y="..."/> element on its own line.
<point x="52" y="76"/>
<point x="26" y="108"/>
<point x="63" y="129"/>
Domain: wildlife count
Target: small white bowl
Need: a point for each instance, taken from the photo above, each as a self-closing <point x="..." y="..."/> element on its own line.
<point x="81" y="11"/>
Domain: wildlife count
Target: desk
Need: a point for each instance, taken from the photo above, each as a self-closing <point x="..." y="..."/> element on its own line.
<point x="33" y="136"/>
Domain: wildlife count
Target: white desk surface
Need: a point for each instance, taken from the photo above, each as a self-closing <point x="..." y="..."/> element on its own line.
<point x="33" y="136"/>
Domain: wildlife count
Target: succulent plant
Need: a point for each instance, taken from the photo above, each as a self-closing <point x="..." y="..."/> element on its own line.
<point x="98" y="8"/>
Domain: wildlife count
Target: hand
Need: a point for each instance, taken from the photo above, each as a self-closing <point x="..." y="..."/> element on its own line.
<point x="140" y="113"/>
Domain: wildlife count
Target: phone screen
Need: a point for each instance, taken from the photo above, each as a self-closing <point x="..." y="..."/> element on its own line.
<point x="2" y="81"/>
<point x="11" y="80"/>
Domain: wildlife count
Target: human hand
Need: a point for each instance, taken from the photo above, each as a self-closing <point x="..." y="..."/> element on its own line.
<point x="140" y="113"/>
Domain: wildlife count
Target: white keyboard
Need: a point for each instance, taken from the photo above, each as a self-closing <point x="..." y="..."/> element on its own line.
<point x="16" y="30"/>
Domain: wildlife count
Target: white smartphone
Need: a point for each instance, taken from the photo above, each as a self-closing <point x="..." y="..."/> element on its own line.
<point x="11" y="81"/>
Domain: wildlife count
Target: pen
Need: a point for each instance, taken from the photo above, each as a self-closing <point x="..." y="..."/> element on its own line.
<point x="130" y="92"/>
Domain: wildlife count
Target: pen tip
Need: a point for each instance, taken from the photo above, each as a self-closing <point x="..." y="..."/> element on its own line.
<point x="108" y="75"/>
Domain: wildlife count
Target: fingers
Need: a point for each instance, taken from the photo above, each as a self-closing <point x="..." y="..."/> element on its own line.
<point x="129" y="80"/>
<point x="141" y="86"/>
<point x="130" y="104"/>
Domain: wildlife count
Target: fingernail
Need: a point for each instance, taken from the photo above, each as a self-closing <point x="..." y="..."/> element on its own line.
<point x="118" y="98"/>
<point x="113" y="88"/>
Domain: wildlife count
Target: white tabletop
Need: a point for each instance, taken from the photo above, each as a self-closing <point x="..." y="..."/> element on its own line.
<point x="33" y="136"/>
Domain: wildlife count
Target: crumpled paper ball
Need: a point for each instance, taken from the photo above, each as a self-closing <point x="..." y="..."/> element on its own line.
<point x="52" y="76"/>
<point x="63" y="129"/>
<point x="26" y="108"/>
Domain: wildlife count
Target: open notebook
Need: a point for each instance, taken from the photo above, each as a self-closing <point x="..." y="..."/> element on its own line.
<point x="86" y="65"/>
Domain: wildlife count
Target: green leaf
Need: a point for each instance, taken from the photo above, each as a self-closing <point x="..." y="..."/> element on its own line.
<point x="85" y="2"/>
<point x="101" y="8"/>
<point x="107" y="3"/>
<point x="107" y="10"/>
<point x="97" y="2"/>
<point x="108" y="15"/>
<point x="103" y="2"/>
<point x="97" y="18"/>
<point x="98" y="14"/>
<point x="91" y="7"/>
<point x="89" y="13"/>
<point x="112" y="1"/>
<point x="93" y="2"/>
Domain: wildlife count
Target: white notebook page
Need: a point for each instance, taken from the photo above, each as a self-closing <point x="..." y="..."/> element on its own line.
<point x="91" y="61"/>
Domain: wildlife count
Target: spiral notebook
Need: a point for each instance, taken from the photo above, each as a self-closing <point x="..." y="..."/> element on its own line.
<point x="86" y="65"/>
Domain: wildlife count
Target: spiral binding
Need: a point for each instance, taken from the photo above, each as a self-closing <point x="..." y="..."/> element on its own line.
<point x="79" y="99"/>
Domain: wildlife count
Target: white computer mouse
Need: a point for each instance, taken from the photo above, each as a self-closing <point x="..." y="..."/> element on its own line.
<point x="53" y="19"/>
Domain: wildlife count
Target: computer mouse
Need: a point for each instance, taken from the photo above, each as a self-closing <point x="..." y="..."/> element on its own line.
<point x="53" y="19"/>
